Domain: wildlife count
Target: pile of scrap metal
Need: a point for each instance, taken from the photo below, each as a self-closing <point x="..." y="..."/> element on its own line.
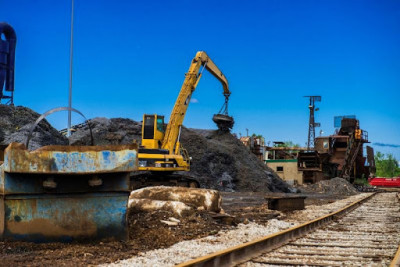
<point x="65" y="193"/>
<point x="338" y="155"/>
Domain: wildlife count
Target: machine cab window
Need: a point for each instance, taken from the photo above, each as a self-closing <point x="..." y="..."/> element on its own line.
<point x="160" y="123"/>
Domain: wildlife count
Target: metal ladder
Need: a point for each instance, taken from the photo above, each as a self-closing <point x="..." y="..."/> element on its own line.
<point x="351" y="155"/>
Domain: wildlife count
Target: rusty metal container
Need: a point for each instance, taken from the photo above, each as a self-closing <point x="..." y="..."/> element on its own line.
<point x="286" y="203"/>
<point x="65" y="193"/>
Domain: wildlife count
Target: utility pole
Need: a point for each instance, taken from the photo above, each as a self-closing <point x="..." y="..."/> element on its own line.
<point x="70" y="69"/>
<point x="311" y="123"/>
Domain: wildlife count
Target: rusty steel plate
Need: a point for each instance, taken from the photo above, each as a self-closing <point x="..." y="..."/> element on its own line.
<point x="70" y="159"/>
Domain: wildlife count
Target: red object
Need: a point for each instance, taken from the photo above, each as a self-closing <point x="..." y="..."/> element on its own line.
<point x="385" y="182"/>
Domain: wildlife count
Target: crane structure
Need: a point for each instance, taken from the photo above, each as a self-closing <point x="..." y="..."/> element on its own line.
<point x="311" y="123"/>
<point x="161" y="152"/>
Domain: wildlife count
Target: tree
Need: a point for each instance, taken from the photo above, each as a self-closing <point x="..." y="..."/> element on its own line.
<point x="386" y="165"/>
<point x="257" y="135"/>
<point x="288" y="144"/>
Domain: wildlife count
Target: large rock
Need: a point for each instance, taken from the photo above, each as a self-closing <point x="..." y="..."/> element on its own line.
<point x="16" y="122"/>
<point x="150" y="205"/>
<point x="206" y="199"/>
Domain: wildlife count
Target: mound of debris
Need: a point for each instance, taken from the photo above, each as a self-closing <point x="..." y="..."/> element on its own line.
<point x="334" y="186"/>
<point x="16" y="122"/>
<point x="107" y="132"/>
<point x="220" y="161"/>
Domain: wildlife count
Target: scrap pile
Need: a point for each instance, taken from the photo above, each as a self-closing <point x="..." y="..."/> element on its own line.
<point x="107" y="132"/>
<point x="220" y="161"/>
<point x="16" y="122"/>
<point x="335" y="186"/>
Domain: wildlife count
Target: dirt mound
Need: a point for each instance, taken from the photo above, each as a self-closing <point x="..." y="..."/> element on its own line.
<point x="15" y="124"/>
<point x="335" y="186"/>
<point x="220" y="161"/>
<point x="108" y="132"/>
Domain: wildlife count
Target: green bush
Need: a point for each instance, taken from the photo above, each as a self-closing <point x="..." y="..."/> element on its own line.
<point x="386" y="165"/>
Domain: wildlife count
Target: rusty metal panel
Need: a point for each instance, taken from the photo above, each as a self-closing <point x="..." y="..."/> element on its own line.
<point x="16" y="183"/>
<point x="2" y="148"/>
<point x="286" y="203"/>
<point x="65" y="218"/>
<point x="71" y="159"/>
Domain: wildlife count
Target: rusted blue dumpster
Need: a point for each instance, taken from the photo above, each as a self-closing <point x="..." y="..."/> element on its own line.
<point x="65" y="193"/>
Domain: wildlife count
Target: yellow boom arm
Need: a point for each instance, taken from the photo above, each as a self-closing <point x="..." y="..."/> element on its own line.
<point x="192" y="77"/>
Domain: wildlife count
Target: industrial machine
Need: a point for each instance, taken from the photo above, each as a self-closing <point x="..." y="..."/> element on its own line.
<point x="8" y="41"/>
<point x="338" y="155"/>
<point x="161" y="152"/>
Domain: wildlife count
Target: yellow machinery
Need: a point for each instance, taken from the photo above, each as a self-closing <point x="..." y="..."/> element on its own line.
<point x="161" y="151"/>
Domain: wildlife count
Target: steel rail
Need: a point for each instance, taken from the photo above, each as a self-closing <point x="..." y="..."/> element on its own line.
<point x="396" y="260"/>
<point x="244" y="252"/>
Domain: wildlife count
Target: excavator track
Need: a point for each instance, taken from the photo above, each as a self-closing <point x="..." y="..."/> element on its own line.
<point x="146" y="179"/>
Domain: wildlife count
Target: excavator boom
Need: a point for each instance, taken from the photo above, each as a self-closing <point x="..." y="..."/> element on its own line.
<point x="189" y="85"/>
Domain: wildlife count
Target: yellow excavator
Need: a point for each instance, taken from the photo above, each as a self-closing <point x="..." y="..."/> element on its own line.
<point x="161" y="153"/>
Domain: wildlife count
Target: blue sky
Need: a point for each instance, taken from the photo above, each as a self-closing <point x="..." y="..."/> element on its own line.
<point x="130" y="58"/>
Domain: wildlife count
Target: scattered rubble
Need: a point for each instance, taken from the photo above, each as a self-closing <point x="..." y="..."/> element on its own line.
<point x="335" y="186"/>
<point x="16" y="122"/>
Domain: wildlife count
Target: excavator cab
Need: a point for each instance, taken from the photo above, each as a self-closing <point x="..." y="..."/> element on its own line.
<point x="153" y="131"/>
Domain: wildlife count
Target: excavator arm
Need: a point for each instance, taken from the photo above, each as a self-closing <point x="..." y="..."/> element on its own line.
<point x="214" y="70"/>
<point x="192" y="78"/>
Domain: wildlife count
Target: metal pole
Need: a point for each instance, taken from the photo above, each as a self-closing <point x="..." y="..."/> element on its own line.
<point x="70" y="69"/>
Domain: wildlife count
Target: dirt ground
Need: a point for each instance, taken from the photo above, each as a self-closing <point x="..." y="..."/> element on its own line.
<point x="147" y="232"/>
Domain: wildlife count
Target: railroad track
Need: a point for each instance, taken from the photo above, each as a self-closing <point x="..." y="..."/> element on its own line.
<point x="365" y="233"/>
